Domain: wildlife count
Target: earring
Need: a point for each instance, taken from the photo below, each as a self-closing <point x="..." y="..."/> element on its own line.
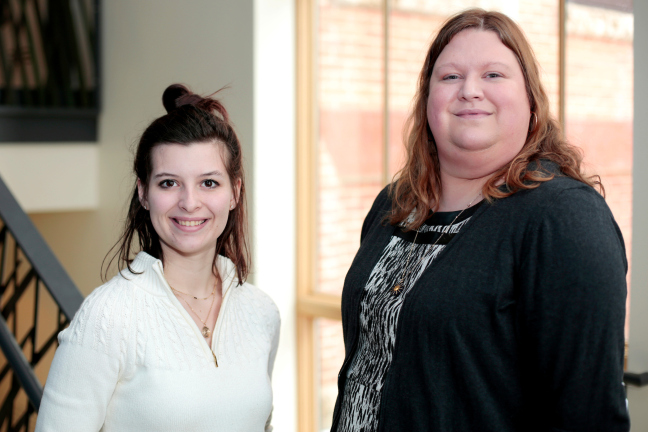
<point x="533" y="122"/>
<point x="144" y="205"/>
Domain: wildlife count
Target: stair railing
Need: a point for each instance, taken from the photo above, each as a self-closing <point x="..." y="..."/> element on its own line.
<point x="37" y="300"/>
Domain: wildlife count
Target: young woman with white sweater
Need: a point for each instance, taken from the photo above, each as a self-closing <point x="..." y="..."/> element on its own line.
<point x="177" y="340"/>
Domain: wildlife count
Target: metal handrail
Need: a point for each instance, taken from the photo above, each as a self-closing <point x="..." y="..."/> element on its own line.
<point x="20" y="365"/>
<point x="636" y="379"/>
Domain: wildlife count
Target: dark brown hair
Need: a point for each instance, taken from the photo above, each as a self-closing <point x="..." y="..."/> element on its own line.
<point x="418" y="183"/>
<point x="190" y="119"/>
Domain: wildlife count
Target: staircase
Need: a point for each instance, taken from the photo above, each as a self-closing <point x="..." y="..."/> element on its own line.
<point x="37" y="300"/>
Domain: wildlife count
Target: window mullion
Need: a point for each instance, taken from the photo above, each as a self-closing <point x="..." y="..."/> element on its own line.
<point x="385" y="168"/>
<point x="562" y="65"/>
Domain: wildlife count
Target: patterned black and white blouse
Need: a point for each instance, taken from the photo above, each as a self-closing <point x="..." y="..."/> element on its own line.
<point x="402" y="262"/>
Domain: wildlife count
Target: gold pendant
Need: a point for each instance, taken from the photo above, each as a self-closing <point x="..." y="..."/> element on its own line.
<point x="206" y="332"/>
<point x="397" y="289"/>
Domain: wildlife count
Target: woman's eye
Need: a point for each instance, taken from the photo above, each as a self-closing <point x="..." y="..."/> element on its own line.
<point x="493" y="75"/>
<point x="165" y="184"/>
<point x="451" y="77"/>
<point x="210" y="183"/>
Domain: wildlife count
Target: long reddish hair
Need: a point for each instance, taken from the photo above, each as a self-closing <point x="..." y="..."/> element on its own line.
<point x="418" y="183"/>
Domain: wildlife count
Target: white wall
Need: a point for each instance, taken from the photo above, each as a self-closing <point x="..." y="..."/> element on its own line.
<point x="274" y="186"/>
<point x="638" y="340"/>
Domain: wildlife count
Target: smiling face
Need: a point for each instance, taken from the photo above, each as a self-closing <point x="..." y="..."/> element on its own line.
<point x="189" y="197"/>
<point x="478" y="109"/>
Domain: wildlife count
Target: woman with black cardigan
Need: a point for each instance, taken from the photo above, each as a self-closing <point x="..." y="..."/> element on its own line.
<point x="488" y="293"/>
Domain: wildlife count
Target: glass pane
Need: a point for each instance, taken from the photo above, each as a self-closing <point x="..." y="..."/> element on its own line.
<point x="330" y="353"/>
<point x="599" y="100"/>
<point x="411" y="28"/>
<point x="349" y="68"/>
<point x="48" y="53"/>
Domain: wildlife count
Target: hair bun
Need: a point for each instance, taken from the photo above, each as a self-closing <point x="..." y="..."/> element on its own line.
<point x="177" y="95"/>
<point x="172" y="94"/>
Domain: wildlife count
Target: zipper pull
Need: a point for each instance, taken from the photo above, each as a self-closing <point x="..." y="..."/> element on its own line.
<point x="215" y="360"/>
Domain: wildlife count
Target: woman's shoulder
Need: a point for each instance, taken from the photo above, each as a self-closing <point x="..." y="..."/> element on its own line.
<point x="564" y="193"/>
<point x="249" y="314"/>
<point x="560" y="193"/>
<point x="109" y="309"/>
<point x="100" y="314"/>
<point x="379" y="210"/>
<point x="564" y="209"/>
<point x="383" y="200"/>
<point x="246" y="294"/>
<point x="560" y="181"/>
<point x="559" y="205"/>
<point x="259" y="303"/>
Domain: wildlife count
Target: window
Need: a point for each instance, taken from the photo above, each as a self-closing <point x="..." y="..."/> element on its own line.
<point x="358" y="63"/>
<point x="48" y="70"/>
<point x="599" y="98"/>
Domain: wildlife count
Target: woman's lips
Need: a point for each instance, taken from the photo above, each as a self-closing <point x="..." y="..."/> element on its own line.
<point x="189" y="224"/>
<point x="472" y="113"/>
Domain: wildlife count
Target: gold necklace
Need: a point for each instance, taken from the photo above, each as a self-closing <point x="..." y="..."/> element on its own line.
<point x="399" y="287"/>
<point x="205" y="298"/>
<point x="206" y="332"/>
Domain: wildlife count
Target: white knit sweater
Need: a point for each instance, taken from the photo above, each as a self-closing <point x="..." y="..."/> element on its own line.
<point x="134" y="360"/>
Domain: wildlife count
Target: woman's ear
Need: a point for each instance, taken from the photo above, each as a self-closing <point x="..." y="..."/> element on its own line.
<point x="236" y="189"/>
<point x="141" y="191"/>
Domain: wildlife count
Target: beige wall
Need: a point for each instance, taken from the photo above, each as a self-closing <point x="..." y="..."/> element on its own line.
<point x="46" y="177"/>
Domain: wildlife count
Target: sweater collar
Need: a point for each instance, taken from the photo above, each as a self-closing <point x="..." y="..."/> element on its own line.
<point x="149" y="273"/>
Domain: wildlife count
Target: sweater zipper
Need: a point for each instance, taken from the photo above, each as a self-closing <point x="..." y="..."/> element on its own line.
<point x="219" y="320"/>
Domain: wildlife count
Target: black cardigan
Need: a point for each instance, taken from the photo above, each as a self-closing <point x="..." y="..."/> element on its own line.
<point x="518" y="325"/>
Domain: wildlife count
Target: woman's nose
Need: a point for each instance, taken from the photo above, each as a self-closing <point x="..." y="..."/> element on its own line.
<point x="189" y="200"/>
<point x="471" y="88"/>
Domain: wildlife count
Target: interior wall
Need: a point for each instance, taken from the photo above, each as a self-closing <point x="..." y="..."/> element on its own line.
<point x="638" y="338"/>
<point x="46" y="177"/>
<point x="274" y="174"/>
